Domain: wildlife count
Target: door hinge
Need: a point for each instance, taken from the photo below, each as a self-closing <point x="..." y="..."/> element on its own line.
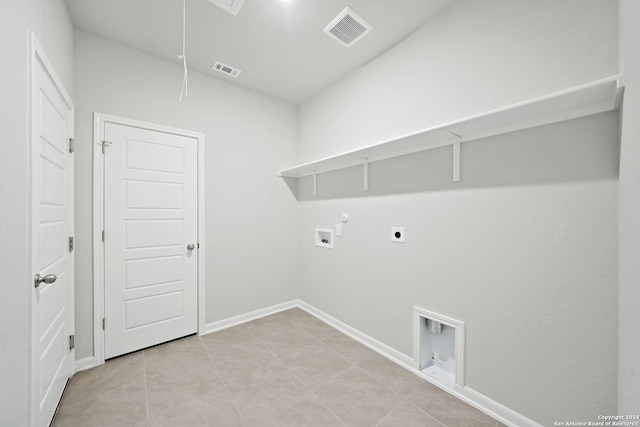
<point x="71" y="244"/>
<point x="103" y="235"/>
<point x="72" y="145"/>
<point x="72" y="342"/>
<point x="103" y="323"/>
<point x="105" y="144"/>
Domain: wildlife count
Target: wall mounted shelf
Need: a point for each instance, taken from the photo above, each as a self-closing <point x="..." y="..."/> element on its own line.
<point x="592" y="98"/>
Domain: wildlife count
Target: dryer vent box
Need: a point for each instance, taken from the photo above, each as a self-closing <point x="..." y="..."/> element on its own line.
<point x="439" y="348"/>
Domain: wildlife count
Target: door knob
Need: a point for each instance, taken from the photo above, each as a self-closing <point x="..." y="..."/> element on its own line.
<point x="49" y="278"/>
<point x="190" y="247"/>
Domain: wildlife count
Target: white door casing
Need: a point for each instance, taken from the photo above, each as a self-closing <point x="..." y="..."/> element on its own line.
<point x="52" y="222"/>
<point x="151" y="190"/>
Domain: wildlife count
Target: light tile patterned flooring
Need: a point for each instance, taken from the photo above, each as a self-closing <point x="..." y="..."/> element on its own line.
<point x="288" y="369"/>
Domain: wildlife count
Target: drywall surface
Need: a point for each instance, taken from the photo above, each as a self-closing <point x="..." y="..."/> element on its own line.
<point x="471" y="58"/>
<point x="50" y="22"/>
<point x="529" y="265"/>
<point x="524" y="248"/>
<point x="250" y="216"/>
<point x="629" y="227"/>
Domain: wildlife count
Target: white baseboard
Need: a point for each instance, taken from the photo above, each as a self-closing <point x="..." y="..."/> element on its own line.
<point x="84" y="364"/>
<point x="496" y="410"/>
<point x="375" y="345"/>
<point x="466" y="394"/>
<point x="247" y="317"/>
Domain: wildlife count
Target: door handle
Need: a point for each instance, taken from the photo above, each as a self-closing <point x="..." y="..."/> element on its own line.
<point x="190" y="247"/>
<point x="49" y="278"/>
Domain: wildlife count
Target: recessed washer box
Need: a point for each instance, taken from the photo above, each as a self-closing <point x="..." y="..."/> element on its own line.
<point x="324" y="238"/>
<point x="231" y="6"/>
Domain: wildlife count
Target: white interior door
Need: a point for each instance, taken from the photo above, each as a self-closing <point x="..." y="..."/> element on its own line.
<point x="150" y="237"/>
<point x="52" y="225"/>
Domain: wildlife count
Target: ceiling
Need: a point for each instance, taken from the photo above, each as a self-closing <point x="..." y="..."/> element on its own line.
<point x="279" y="45"/>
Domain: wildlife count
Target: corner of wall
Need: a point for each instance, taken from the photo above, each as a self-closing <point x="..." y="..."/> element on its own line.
<point x="629" y="212"/>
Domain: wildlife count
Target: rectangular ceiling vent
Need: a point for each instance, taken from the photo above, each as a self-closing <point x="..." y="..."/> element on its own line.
<point x="231" y="6"/>
<point x="348" y="27"/>
<point x="226" y="69"/>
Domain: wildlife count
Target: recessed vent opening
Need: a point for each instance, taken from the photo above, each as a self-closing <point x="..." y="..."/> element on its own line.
<point x="226" y="69"/>
<point x="348" y="27"/>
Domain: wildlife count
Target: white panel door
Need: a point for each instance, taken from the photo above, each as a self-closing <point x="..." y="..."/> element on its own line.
<point x="150" y="240"/>
<point x="52" y="262"/>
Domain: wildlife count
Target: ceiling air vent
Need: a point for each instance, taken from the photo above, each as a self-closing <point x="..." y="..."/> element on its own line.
<point x="226" y="69"/>
<point x="348" y="27"/>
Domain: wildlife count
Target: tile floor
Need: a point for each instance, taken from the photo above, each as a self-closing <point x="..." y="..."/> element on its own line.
<point x="288" y="369"/>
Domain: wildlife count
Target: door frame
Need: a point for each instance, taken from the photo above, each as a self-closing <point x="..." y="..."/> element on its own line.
<point x="37" y="56"/>
<point x="99" y="121"/>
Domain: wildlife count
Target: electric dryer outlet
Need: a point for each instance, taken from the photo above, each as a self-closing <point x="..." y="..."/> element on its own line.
<point x="397" y="234"/>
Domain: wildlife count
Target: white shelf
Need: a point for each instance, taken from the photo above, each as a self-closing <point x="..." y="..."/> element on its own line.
<point x="593" y="98"/>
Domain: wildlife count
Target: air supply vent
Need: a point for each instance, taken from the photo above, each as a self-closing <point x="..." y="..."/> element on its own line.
<point x="226" y="69"/>
<point x="348" y="27"/>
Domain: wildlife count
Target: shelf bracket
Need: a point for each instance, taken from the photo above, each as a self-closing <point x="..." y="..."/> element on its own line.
<point x="366" y="174"/>
<point x="315" y="183"/>
<point x="456" y="157"/>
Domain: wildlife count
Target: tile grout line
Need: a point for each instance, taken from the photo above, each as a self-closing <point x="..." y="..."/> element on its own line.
<point x="330" y="410"/>
<point x="308" y="345"/>
<point x="289" y="351"/>
<point x="401" y="366"/>
<point x="402" y="398"/>
<point x="312" y="391"/>
<point x="333" y="377"/>
<point x="390" y="412"/>
<point x="223" y="382"/>
<point x="339" y="355"/>
<point x="319" y="341"/>
<point x="351" y="365"/>
<point x="425" y="412"/>
<point x="146" y="387"/>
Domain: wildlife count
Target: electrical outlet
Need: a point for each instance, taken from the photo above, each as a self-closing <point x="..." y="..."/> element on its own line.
<point x="397" y="234"/>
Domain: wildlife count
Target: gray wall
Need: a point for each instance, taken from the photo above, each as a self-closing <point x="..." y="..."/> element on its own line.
<point x="471" y="58"/>
<point x="525" y="246"/>
<point x="51" y="24"/>
<point x="524" y="249"/>
<point x="251" y="227"/>
<point x="629" y="227"/>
